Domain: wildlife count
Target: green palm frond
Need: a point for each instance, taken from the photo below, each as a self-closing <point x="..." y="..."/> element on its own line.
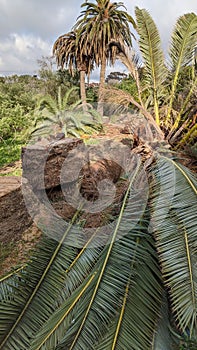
<point x="89" y="315"/>
<point x="174" y="220"/>
<point x="63" y="101"/>
<point x="150" y="48"/>
<point x="79" y="277"/>
<point x="183" y="45"/>
<point x="135" y="256"/>
<point x="49" y="103"/>
<point x="131" y="330"/>
<point x="165" y="337"/>
<point x="8" y="283"/>
<point x="35" y="297"/>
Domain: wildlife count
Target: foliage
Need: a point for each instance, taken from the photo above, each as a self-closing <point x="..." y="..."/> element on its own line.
<point x="19" y="96"/>
<point x="51" y="80"/>
<point x="92" y="94"/>
<point x="16" y="104"/>
<point x="10" y="151"/>
<point x="128" y="84"/>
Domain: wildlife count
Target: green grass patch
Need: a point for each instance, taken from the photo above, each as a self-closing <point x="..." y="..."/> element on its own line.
<point x="15" y="172"/>
<point x="10" y="151"/>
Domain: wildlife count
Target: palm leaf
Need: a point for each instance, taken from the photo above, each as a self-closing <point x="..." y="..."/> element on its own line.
<point x="65" y="100"/>
<point x="118" y="265"/>
<point x="150" y="48"/>
<point x="187" y="100"/>
<point x="165" y="337"/>
<point x="183" y="44"/>
<point x="36" y="294"/>
<point x="50" y="103"/>
<point x="132" y="62"/>
<point x="134" y="325"/>
<point x="79" y="277"/>
<point x="8" y="283"/>
<point x="174" y="220"/>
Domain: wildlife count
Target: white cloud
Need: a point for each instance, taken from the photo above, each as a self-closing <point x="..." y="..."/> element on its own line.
<point x="30" y="27"/>
<point x="19" y="53"/>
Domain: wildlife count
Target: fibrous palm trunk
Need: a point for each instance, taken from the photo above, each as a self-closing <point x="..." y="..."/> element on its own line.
<point x="82" y="89"/>
<point x="101" y="85"/>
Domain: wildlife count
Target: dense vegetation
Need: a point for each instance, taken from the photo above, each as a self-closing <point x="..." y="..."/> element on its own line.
<point x="20" y="97"/>
<point x="138" y="291"/>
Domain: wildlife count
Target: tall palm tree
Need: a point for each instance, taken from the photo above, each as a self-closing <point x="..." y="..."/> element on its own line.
<point x="100" y="23"/>
<point x="69" y="50"/>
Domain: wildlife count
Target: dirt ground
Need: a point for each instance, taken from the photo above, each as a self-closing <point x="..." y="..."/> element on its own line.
<point x="17" y="239"/>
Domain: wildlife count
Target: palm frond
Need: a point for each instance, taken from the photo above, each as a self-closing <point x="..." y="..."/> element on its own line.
<point x="150" y="48"/>
<point x="65" y="99"/>
<point x="174" y="220"/>
<point x="8" y="283"/>
<point x="35" y="296"/>
<point x="132" y="62"/>
<point x="183" y="45"/>
<point x="187" y="100"/>
<point x="50" y="103"/>
<point x="134" y="325"/>
<point x="79" y="277"/>
<point x="118" y="267"/>
<point x="165" y="336"/>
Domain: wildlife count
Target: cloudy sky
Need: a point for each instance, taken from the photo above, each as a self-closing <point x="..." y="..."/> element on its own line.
<point x="30" y="27"/>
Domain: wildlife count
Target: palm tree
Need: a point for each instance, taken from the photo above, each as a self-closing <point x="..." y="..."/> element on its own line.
<point x="101" y="23"/>
<point x="161" y="97"/>
<point x="69" y="50"/>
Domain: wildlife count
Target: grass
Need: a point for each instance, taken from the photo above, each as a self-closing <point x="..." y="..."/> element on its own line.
<point x="14" y="172"/>
<point x="10" y="151"/>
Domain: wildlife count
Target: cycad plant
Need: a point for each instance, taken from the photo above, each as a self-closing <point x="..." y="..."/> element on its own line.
<point x="167" y="87"/>
<point x="62" y="116"/>
<point x="130" y="284"/>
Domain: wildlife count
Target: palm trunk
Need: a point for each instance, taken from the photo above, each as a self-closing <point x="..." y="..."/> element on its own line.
<point x="101" y="86"/>
<point x="83" y="90"/>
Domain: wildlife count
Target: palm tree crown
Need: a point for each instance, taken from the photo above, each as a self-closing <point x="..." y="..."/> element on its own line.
<point x="103" y="22"/>
<point x="70" y="50"/>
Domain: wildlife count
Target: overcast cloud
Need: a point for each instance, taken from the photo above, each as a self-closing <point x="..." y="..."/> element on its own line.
<point x="30" y="27"/>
